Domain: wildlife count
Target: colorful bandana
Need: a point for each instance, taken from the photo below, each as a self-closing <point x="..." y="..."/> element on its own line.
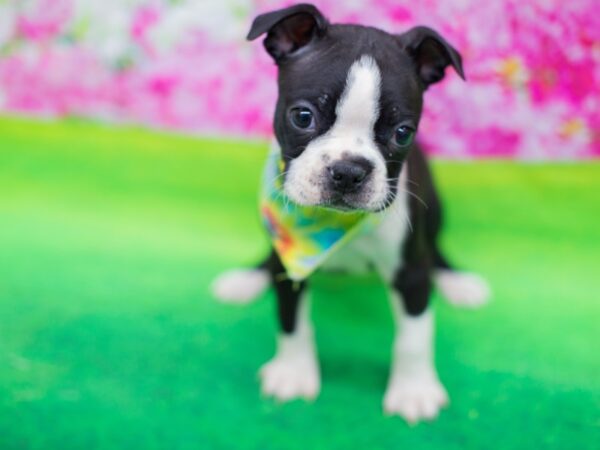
<point x="303" y="236"/>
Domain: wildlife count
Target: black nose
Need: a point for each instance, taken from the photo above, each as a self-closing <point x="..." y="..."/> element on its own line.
<point x="348" y="175"/>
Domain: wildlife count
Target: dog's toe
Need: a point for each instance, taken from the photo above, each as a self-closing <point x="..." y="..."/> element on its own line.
<point x="289" y="378"/>
<point x="415" y="399"/>
<point x="240" y="285"/>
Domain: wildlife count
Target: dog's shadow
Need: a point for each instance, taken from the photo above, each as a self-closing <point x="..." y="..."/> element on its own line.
<point x="365" y="373"/>
<point x="354" y="330"/>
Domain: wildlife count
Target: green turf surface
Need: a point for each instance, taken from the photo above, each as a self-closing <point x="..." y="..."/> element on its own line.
<point x="109" y="338"/>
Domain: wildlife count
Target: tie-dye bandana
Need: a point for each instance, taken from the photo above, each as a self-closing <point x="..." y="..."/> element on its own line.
<point x="303" y="236"/>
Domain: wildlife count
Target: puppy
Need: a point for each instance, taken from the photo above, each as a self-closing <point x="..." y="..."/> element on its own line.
<point x="350" y="100"/>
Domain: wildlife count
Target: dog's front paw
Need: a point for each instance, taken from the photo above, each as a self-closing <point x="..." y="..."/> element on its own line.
<point x="288" y="377"/>
<point x="463" y="288"/>
<point x="415" y="397"/>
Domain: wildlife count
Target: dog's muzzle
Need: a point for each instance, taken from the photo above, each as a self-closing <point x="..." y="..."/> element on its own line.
<point x="348" y="176"/>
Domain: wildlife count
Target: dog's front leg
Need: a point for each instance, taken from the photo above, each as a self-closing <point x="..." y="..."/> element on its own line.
<point x="294" y="370"/>
<point x="414" y="390"/>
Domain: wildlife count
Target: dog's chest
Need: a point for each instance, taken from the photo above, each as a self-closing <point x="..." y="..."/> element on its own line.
<point x="378" y="248"/>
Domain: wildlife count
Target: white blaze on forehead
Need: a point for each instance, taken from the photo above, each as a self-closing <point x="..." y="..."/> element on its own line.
<point x="358" y="107"/>
<point x="351" y="135"/>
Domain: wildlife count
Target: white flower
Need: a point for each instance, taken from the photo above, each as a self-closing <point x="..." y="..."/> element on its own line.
<point x="7" y="22"/>
<point x="221" y="21"/>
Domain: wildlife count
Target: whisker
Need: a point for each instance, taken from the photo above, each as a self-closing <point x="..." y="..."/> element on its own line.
<point x="412" y="194"/>
<point x="394" y="208"/>
<point x="404" y="215"/>
<point x="281" y="175"/>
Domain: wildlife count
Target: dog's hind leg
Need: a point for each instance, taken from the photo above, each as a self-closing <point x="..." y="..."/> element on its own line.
<point x="464" y="289"/>
<point x="457" y="287"/>
<point x="242" y="286"/>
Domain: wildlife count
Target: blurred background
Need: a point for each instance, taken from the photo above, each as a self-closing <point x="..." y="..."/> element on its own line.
<point x="132" y="137"/>
<point x="533" y="68"/>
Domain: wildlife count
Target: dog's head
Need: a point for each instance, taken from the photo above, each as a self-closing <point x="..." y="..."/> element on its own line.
<point x="349" y="105"/>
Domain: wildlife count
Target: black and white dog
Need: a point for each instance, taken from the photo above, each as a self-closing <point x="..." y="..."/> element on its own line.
<point x="350" y="100"/>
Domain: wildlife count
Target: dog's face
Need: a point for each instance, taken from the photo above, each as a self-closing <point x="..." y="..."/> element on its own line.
<point x="350" y="100"/>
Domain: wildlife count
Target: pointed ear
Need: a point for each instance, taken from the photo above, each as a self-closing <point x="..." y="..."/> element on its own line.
<point x="288" y="29"/>
<point x="431" y="53"/>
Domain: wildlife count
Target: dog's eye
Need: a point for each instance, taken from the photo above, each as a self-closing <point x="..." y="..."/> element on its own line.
<point x="404" y="136"/>
<point x="302" y="117"/>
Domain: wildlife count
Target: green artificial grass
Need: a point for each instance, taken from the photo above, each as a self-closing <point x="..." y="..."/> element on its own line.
<point x="109" y="338"/>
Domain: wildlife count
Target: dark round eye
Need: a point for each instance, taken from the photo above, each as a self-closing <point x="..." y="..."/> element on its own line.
<point x="302" y="117"/>
<point x="404" y="136"/>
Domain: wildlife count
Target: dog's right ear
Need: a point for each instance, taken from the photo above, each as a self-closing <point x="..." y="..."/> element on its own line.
<point x="289" y="29"/>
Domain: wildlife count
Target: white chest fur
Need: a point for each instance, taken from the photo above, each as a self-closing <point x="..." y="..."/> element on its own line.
<point x="380" y="247"/>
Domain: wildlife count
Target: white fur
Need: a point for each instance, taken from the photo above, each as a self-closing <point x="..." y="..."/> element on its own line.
<point x="240" y="285"/>
<point x="462" y="288"/>
<point x="294" y="370"/>
<point x="414" y="390"/>
<point x="352" y="134"/>
<point x="379" y="247"/>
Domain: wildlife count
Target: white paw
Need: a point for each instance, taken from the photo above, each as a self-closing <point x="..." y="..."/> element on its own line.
<point x="240" y="285"/>
<point x="286" y="378"/>
<point x="462" y="288"/>
<point x="415" y="398"/>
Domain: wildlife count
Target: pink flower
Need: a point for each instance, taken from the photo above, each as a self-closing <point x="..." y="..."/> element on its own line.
<point x="45" y="21"/>
<point x="142" y="20"/>
<point x="533" y="70"/>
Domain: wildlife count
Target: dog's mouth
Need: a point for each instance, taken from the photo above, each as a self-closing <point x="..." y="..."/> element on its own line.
<point x="340" y="204"/>
<point x="368" y="199"/>
<point x="367" y="194"/>
<point x="356" y="202"/>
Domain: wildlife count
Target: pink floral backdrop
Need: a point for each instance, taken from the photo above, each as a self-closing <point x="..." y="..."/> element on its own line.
<point x="533" y="68"/>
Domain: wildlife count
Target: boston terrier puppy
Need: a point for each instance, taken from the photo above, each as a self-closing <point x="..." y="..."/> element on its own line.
<point x="350" y="100"/>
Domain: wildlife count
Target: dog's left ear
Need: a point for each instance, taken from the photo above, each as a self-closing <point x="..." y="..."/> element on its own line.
<point x="431" y="54"/>
<point x="288" y="29"/>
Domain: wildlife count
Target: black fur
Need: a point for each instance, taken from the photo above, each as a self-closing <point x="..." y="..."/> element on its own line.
<point x="421" y="253"/>
<point x="287" y="292"/>
<point x="314" y="58"/>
